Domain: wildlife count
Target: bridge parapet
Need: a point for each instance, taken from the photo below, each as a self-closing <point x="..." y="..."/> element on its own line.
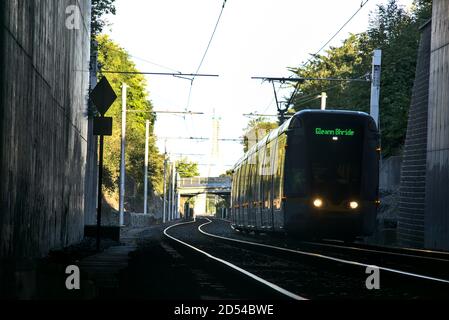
<point x="205" y="182"/>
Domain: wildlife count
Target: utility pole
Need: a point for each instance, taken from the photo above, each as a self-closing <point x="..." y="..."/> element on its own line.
<point x="169" y="193"/>
<point x="375" y="86"/>
<point x="283" y="111"/>
<point x="165" y="188"/>
<point x="122" y="153"/>
<point x="323" y="100"/>
<point x="102" y="96"/>
<point x="145" y="196"/>
<point x="178" y="200"/>
<point x="173" y="190"/>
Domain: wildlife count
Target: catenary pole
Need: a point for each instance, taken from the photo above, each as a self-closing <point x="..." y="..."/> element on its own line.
<point x="165" y="190"/>
<point x="145" y="196"/>
<point x="323" y="100"/>
<point x="375" y="85"/>
<point x="169" y="193"/>
<point x="122" y="159"/>
<point x="173" y="190"/>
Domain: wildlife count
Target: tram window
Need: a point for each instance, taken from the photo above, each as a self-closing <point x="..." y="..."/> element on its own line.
<point x="257" y="177"/>
<point x="295" y="166"/>
<point x="239" y="170"/>
<point x="336" y="165"/>
<point x="233" y="190"/>
<point x="278" y="171"/>
<point x="268" y="174"/>
<point x="244" y="181"/>
<point x="251" y="166"/>
<point x="260" y="172"/>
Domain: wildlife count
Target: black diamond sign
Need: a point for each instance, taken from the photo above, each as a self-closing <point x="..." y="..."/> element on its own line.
<point x="103" y="96"/>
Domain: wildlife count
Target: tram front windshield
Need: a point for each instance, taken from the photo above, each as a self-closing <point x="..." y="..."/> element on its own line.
<point x="335" y="153"/>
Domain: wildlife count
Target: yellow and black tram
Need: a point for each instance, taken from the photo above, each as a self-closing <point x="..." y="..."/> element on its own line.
<point x="315" y="176"/>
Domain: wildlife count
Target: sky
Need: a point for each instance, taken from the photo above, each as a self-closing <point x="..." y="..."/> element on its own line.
<point x="253" y="38"/>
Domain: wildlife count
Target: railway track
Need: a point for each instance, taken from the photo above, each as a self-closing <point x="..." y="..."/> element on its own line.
<point x="405" y="252"/>
<point x="242" y="273"/>
<point x="304" y="274"/>
<point x="423" y="263"/>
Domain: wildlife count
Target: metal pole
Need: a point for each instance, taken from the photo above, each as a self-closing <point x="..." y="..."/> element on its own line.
<point x="173" y="190"/>
<point x="178" y="196"/>
<point x="323" y="100"/>
<point x="100" y="194"/>
<point x="169" y="194"/>
<point x="375" y="86"/>
<point x="165" y="189"/>
<point x="92" y="149"/>
<point x="145" y="196"/>
<point x="122" y="153"/>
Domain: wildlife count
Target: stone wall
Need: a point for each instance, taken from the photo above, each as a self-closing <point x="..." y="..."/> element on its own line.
<point x="43" y="126"/>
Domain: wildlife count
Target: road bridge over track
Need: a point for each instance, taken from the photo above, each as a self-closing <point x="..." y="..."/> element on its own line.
<point x="199" y="185"/>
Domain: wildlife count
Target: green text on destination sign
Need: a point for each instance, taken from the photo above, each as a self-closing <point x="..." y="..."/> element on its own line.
<point x="334" y="132"/>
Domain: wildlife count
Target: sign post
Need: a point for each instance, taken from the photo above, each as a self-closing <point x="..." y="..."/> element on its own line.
<point x="102" y="96"/>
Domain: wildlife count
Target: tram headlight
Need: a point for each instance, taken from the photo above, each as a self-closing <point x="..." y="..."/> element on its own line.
<point x="353" y="204"/>
<point x="318" y="203"/>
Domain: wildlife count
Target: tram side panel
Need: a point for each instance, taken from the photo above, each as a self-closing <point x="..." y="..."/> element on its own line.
<point x="278" y="183"/>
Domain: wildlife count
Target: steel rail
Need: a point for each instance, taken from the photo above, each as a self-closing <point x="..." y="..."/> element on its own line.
<point x="374" y="251"/>
<point x="321" y="256"/>
<point x="233" y="266"/>
<point x="421" y="251"/>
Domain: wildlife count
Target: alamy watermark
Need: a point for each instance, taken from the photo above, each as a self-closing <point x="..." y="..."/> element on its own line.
<point x="373" y="280"/>
<point x="73" y="19"/>
<point x="73" y="280"/>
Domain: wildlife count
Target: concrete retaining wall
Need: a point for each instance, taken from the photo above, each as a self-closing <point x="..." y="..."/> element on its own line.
<point x="390" y="173"/>
<point x="436" y="220"/>
<point x="43" y="127"/>
<point x="413" y="171"/>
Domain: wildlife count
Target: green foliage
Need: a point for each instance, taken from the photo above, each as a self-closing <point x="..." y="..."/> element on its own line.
<point x="187" y="169"/>
<point x="396" y="33"/>
<point x="100" y="8"/>
<point x="228" y="173"/>
<point x="256" y="130"/>
<point x="112" y="57"/>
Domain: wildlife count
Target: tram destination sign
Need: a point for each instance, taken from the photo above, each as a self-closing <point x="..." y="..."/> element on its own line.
<point x="334" y="132"/>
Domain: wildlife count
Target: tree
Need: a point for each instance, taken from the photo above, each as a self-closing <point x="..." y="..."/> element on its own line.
<point x="187" y="169"/>
<point x="255" y="131"/>
<point x="99" y="9"/>
<point x="394" y="31"/>
<point x="228" y="173"/>
<point x="112" y="57"/>
<point x="347" y="61"/>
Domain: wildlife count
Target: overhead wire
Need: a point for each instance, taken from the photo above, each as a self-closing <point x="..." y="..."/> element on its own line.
<point x="205" y="52"/>
<point x="155" y="64"/>
<point x="362" y="4"/>
<point x="365" y="75"/>
<point x="322" y="90"/>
